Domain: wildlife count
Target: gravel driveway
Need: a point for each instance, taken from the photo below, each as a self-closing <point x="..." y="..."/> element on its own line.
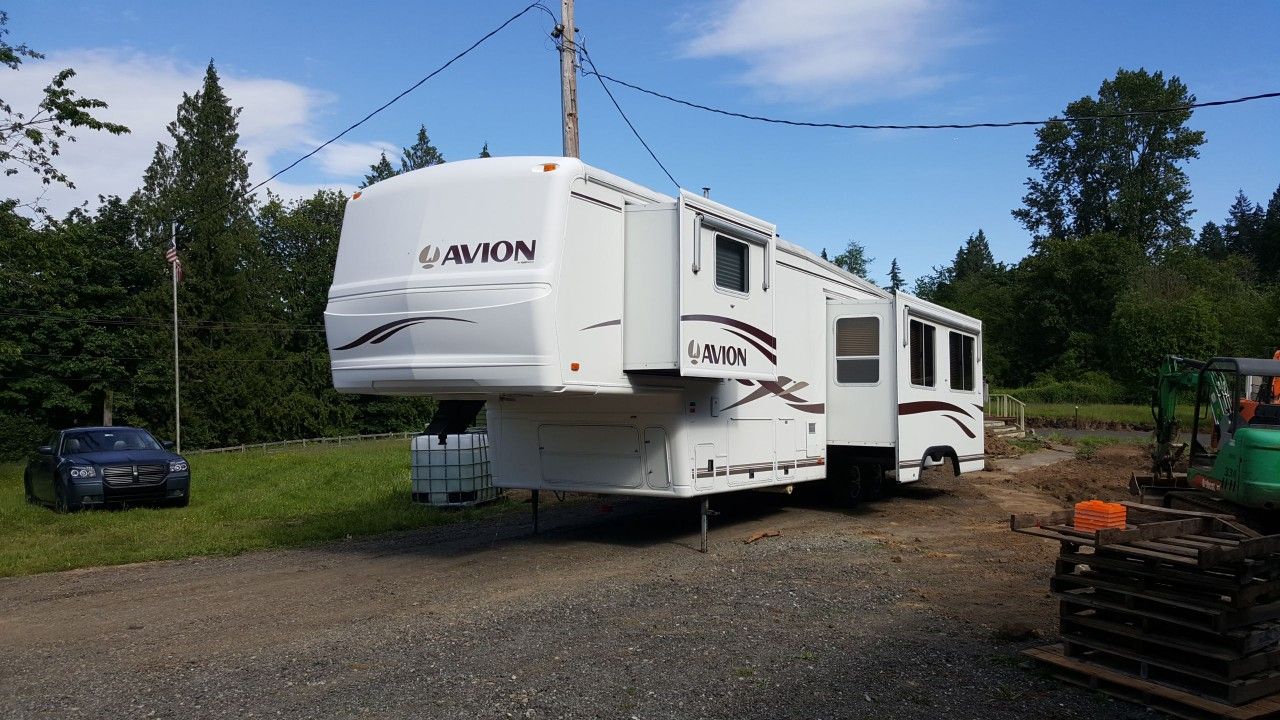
<point x="912" y="607"/>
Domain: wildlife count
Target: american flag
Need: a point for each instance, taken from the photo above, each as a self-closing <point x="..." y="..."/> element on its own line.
<point x="172" y="256"/>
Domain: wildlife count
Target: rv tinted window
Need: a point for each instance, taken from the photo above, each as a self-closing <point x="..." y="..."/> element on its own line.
<point x="922" y="355"/>
<point x="962" y="361"/>
<point x="858" y="350"/>
<point x="731" y="264"/>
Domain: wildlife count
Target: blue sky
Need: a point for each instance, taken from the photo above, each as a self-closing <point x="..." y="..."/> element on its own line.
<point x="303" y="71"/>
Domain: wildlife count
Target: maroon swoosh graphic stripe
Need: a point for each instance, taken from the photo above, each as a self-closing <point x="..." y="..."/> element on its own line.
<point x="382" y="332"/>
<point x="956" y="420"/>
<point x="755" y="395"/>
<point x="606" y="323"/>
<point x="781" y="392"/>
<point x="754" y="343"/>
<point x="763" y="336"/>
<point x="815" y="408"/>
<point x="922" y="406"/>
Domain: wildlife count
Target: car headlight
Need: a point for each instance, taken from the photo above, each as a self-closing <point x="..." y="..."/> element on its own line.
<point x="81" y="471"/>
<point x="177" y="465"/>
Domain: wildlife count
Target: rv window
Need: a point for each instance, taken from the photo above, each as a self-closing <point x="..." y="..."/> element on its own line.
<point x="962" y="356"/>
<point x="858" y="350"/>
<point x="731" y="264"/>
<point x="922" y="355"/>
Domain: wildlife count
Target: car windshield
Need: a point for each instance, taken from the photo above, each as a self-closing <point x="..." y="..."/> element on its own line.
<point x="108" y="439"/>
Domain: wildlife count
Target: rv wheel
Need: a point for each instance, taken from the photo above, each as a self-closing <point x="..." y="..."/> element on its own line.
<point x="871" y="480"/>
<point x="851" y="488"/>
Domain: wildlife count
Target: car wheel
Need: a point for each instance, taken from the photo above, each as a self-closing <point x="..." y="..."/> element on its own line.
<point x="26" y="489"/>
<point x="60" y="502"/>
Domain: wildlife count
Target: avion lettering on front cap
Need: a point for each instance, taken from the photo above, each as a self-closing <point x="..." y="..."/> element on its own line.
<point x="485" y="252"/>
<point x="716" y="354"/>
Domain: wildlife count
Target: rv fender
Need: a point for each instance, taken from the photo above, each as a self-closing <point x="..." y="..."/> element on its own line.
<point x="939" y="453"/>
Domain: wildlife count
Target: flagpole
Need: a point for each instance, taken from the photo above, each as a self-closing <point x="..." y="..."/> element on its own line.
<point x="177" y="402"/>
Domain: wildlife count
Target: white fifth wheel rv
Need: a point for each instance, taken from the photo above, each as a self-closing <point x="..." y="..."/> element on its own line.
<point x="626" y="341"/>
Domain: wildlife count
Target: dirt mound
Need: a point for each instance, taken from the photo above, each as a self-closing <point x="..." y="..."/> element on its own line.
<point x="1104" y="476"/>
<point x="999" y="447"/>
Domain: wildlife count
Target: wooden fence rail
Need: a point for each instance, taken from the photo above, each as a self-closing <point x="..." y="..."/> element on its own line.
<point x="304" y="442"/>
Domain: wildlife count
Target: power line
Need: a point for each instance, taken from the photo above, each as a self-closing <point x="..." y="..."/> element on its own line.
<point x="587" y="56"/>
<point x="927" y="126"/>
<point x="250" y="192"/>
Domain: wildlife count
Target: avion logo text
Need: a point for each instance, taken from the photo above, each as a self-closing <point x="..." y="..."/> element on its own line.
<point x="485" y="252"/>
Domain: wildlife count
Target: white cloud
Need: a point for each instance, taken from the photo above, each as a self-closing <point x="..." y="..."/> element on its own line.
<point x="833" y="51"/>
<point x="278" y="123"/>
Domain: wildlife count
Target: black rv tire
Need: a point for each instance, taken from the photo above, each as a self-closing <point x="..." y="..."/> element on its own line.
<point x="870" y="480"/>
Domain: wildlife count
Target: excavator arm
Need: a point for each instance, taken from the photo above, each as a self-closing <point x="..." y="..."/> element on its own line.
<point x="1176" y="375"/>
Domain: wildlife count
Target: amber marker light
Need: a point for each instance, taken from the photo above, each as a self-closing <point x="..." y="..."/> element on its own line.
<point x="574" y="366"/>
<point x="356" y="195"/>
<point x="545" y="167"/>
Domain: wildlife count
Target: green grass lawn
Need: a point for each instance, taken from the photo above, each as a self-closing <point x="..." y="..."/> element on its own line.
<point x="1128" y="414"/>
<point x="239" y="501"/>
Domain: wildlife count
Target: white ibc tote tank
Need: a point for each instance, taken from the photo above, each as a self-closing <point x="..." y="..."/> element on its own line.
<point x="455" y="474"/>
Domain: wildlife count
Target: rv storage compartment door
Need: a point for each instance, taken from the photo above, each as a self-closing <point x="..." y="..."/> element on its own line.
<point x="650" y="279"/>
<point x="726" y="268"/>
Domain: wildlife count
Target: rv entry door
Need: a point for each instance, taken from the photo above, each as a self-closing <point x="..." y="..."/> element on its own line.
<point x="861" y="375"/>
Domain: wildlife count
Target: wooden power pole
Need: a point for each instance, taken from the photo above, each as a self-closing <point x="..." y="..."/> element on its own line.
<point x="568" y="79"/>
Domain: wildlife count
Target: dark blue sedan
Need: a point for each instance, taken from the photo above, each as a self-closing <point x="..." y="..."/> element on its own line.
<point x="93" y="467"/>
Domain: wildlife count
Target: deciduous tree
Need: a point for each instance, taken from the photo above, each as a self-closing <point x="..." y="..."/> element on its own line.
<point x="1120" y="174"/>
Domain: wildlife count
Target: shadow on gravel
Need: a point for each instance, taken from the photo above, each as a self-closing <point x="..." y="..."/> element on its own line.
<point x="618" y="521"/>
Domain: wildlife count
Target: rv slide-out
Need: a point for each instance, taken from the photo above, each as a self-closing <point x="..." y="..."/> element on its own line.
<point x="626" y="341"/>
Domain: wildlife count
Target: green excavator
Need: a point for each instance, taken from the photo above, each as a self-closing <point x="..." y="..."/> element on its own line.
<point x="1233" y="452"/>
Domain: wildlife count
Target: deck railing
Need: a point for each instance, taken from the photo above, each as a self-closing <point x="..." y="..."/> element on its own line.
<point x="1007" y="407"/>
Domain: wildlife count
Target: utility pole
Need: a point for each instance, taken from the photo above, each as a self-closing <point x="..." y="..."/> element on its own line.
<point x="177" y="402"/>
<point x="568" y="79"/>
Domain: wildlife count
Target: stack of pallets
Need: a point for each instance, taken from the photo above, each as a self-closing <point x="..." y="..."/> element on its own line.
<point x="1178" y="610"/>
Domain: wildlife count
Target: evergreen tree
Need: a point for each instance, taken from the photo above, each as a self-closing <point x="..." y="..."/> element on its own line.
<point x="484" y="151"/>
<point x="823" y="255"/>
<point x="973" y="258"/>
<point x="1243" y="226"/>
<point x="896" y="282"/>
<point x="854" y="259"/>
<point x="201" y="181"/>
<point x="1119" y="175"/>
<point x="1267" y="244"/>
<point x="379" y="171"/>
<point x="1212" y="243"/>
<point x="420" y="154"/>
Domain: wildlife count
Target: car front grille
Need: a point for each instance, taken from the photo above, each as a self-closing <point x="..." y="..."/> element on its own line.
<point x="134" y="475"/>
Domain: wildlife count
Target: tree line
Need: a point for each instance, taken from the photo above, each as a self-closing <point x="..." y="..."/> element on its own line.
<point x="1116" y="277"/>
<point x="85" y="300"/>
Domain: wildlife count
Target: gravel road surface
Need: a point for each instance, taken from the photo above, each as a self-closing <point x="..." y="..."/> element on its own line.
<point x="911" y="607"/>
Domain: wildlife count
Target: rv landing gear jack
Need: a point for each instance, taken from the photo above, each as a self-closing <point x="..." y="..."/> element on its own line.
<point x="535" y="512"/>
<point x="706" y="513"/>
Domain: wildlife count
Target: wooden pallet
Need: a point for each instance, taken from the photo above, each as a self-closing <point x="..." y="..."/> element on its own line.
<point x="1211" y="586"/>
<point x="1147" y="692"/>
<point x="1172" y="537"/>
